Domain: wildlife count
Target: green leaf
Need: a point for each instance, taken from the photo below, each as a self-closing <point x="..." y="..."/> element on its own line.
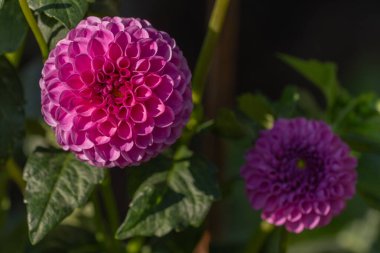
<point x="11" y="109"/>
<point x="286" y="106"/>
<point x="13" y="26"/>
<point x="368" y="179"/>
<point x="57" y="183"/>
<point x="228" y="125"/>
<point x="321" y="74"/>
<point x="67" y="12"/>
<point x="51" y="30"/>
<point x="171" y="199"/>
<point x="257" y="108"/>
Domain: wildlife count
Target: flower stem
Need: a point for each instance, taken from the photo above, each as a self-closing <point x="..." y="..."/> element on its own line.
<point x="215" y="26"/>
<point x="34" y="27"/>
<point x="15" y="174"/>
<point x="110" y="203"/>
<point x="283" y="241"/>
<point x="259" y="237"/>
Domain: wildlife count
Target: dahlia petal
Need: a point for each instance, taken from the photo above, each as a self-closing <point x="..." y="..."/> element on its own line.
<point x="95" y="48"/>
<point x="65" y="71"/>
<point x="152" y="80"/>
<point x="133" y="50"/>
<point x="114" y="51"/>
<point x="145" y="127"/>
<point x="143" y="92"/>
<point x="165" y="88"/>
<point x="143" y="141"/>
<point x="107" y="128"/>
<point x="82" y="63"/>
<point x="156" y="63"/>
<point x="79" y="139"/>
<point x="296" y="227"/>
<point x="165" y="119"/>
<point x="75" y="82"/>
<point x="322" y="208"/>
<point x="124" y="130"/>
<point x="175" y="101"/>
<point x="87" y="77"/>
<point x="98" y="62"/>
<point x="142" y="65"/>
<point x="123" y="39"/>
<point x="311" y="220"/>
<point x="161" y="134"/>
<point x="148" y="48"/>
<point x="99" y="115"/>
<point x="123" y="62"/>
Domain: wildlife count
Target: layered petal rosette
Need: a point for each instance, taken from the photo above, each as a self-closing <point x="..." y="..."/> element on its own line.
<point x="116" y="91"/>
<point x="300" y="174"/>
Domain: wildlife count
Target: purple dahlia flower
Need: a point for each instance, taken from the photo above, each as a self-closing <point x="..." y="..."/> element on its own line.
<point x="116" y="91"/>
<point x="300" y="174"/>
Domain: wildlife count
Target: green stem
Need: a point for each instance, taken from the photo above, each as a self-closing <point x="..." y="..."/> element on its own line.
<point x="15" y="173"/>
<point x="102" y="233"/>
<point x="259" y="237"/>
<point x="215" y="26"/>
<point x="283" y="244"/>
<point x="34" y="27"/>
<point x="110" y="203"/>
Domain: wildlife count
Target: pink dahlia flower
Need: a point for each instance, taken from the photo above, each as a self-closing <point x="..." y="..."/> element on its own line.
<point x="300" y="174"/>
<point x="116" y="91"/>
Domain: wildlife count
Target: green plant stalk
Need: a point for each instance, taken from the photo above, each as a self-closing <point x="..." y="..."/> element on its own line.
<point x="259" y="237"/>
<point x="202" y="67"/>
<point x="101" y="229"/>
<point x="15" y="173"/>
<point x="110" y="203"/>
<point x="34" y="27"/>
<point x="283" y="244"/>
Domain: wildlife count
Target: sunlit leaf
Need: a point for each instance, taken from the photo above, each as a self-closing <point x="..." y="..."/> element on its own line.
<point x="68" y="12"/>
<point x="57" y="183"/>
<point x="171" y="199"/>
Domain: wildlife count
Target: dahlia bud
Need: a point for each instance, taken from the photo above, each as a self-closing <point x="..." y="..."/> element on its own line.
<point x="300" y="174"/>
<point x="116" y="91"/>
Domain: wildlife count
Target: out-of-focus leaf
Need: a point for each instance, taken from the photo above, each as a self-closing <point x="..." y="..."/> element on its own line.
<point x="228" y="125"/>
<point x="287" y="104"/>
<point x="57" y="183"/>
<point x="51" y="29"/>
<point x="68" y="12"/>
<point x="68" y="239"/>
<point x="364" y="137"/>
<point x="321" y="74"/>
<point x="13" y="26"/>
<point x="309" y="105"/>
<point x="171" y="199"/>
<point x="257" y="108"/>
<point x="369" y="179"/>
<point x="11" y="109"/>
<point x="13" y="234"/>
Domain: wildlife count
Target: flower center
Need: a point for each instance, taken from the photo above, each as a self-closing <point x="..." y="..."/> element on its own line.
<point x="301" y="164"/>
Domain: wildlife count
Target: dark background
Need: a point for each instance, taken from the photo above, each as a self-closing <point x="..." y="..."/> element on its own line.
<point x="343" y="31"/>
